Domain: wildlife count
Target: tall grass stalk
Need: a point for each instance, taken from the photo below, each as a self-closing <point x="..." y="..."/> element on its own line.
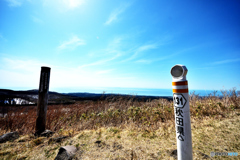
<point x="120" y="112"/>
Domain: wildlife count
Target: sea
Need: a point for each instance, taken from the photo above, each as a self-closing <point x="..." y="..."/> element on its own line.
<point x="133" y="91"/>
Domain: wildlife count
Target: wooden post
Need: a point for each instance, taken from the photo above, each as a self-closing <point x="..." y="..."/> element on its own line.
<point x="42" y="100"/>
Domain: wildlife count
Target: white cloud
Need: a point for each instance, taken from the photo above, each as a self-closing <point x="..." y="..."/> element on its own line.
<point x="17" y="72"/>
<point x="114" y="15"/>
<point x="226" y="61"/>
<point x="73" y="3"/>
<point x="19" y="64"/>
<point x="63" y="5"/>
<point x="25" y="74"/>
<point x="14" y="3"/>
<point x="105" y="71"/>
<point x="72" y="43"/>
<point x="23" y="65"/>
<point x="17" y="79"/>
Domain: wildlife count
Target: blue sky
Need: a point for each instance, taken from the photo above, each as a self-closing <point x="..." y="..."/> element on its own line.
<point x="131" y="44"/>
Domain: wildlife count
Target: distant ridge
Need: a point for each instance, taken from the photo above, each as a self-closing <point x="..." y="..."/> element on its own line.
<point x="66" y="98"/>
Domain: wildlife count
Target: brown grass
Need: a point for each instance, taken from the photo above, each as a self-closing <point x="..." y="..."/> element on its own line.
<point x="143" y="129"/>
<point x="118" y="111"/>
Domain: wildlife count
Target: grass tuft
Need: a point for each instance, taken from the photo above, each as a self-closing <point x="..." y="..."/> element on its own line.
<point x="126" y="128"/>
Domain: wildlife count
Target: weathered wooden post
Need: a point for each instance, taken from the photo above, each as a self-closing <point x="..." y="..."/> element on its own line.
<point x="182" y="112"/>
<point x="42" y="100"/>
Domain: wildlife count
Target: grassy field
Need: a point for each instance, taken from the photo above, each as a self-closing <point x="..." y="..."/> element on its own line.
<point x="126" y="129"/>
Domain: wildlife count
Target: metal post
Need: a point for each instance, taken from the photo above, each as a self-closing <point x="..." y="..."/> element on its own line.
<point x="42" y="100"/>
<point x="182" y="112"/>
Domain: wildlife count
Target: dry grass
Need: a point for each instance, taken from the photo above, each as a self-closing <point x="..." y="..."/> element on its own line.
<point x="127" y="129"/>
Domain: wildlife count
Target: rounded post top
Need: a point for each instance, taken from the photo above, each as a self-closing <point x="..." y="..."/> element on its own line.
<point x="179" y="72"/>
<point x="44" y="68"/>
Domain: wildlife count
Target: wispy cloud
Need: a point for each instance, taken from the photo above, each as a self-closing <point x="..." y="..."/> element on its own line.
<point x="105" y="55"/>
<point x="72" y="43"/>
<point x="105" y="71"/>
<point x="26" y="65"/>
<point x="37" y="20"/>
<point x="141" y="49"/>
<point x="204" y="68"/>
<point x="114" y="47"/>
<point x="148" y="61"/>
<point x="147" y="47"/>
<point x="24" y="73"/>
<point x="144" y="61"/>
<point x="100" y="62"/>
<point x="161" y="58"/>
<point x="63" y="5"/>
<point x="14" y="3"/>
<point x="123" y="78"/>
<point x="2" y="38"/>
<point x="114" y="15"/>
<point x="73" y="3"/>
<point x="226" y="61"/>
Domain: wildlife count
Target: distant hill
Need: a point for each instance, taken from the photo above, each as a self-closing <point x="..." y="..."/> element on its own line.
<point x="66" y="98"/>
<point x="32" y="96"/>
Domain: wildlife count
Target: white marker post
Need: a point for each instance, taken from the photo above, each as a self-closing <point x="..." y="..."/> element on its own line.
<point x="182" y="112"/>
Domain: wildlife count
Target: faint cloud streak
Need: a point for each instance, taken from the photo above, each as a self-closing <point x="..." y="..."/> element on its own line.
<point x="141" y="49"/>
<point x="1" y="37"/>
<point x="63" y="5"/>
<point x="23" y="65"/>
<point x="144" y="61"/>
<point x="114" y="15"/>
<point x="113" y="48"/>
<point x="103" y="61"/>
<point x="37" y="20"/>
<point x="105" y="71"/>
<point x="226" y="61"/>
<point x="73" y="3"/>
<point x="146" y="47"/>
<point x="72" y="43"/>
<point x="14" y="3"/>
